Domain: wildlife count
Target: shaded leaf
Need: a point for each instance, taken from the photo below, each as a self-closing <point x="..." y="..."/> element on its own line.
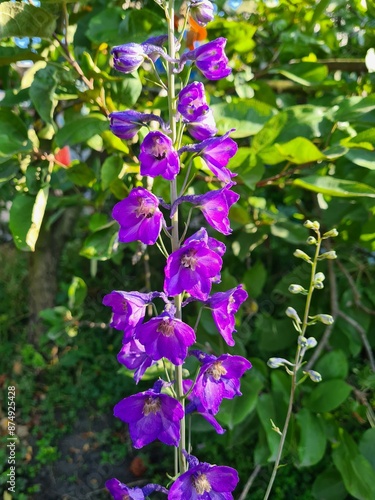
<point x="42" y="92"/>
<point x="13" y="134"/>
<point x="335" y="187"/>
<point x="334" y="364"/>
<point x="21" y="19"/>
<point x="329" y="486"/>
<point x="328" y="395"/>
<point x="299" y="150"/>
<point x="81" y="129"/>
<point x="313" y="440"/>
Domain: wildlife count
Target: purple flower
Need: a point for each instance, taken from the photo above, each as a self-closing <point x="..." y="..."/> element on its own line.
<point x="120" y="491"/>
<point x="139" y="217"/>
<point x="218" y="378"/>
<point x="215" y="206"/>
<point x="192" y="268"/>
<point x="166" y="337"/>
<point x="130" y="56"/>
<point x="128" y="309"/>
<point x="210" y="59"/>
<point x="204" y="482"/>
<point x="195" y="405"/>
<point x="134" y="357"/>
<point x="202" y="11"/>
<point x="224" y="306"/>
<point x="125" y="124"/>
<point x="158" y="157"/>
<point x="151" y="415"/>
<point x="216" y="152"/>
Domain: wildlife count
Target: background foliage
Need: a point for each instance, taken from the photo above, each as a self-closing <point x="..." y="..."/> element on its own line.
<point x="302" y="103"/>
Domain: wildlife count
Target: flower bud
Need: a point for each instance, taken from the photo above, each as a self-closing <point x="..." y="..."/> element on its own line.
<point x="302" y="255"/>
<point x="128" y="57"/>
<point x="292" y="313"/>
<point x="315" y="376"/>
<point x="202" y="11"/>
<point x="312" y="225"/>
<point x="331" y="234"/>
<point x="328" y="255"/>
<point x="297" y="289"/>
<point x="326" y="319"/>
<point x="277" y="362"/>
<point x="319" y="277"/>
<point x="311" y="240"/>
<point x="302" y="341"/>
<point x="318" y="285"/>
<point x="311" y="343"/>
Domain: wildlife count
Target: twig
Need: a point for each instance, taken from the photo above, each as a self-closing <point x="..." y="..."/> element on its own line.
<point x="249" y="483"/>
<point x="353" y="286"/>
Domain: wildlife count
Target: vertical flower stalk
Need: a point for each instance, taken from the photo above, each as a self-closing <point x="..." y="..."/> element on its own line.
<point x="193" y="264"/>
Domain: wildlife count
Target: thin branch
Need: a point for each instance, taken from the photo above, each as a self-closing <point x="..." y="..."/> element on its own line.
<point x="353" y="286"/>
<point x="249" y="483"/>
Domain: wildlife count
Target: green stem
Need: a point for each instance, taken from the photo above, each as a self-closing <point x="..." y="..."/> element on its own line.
<point x="175" y="233"/>
<point x="297" y="365"/>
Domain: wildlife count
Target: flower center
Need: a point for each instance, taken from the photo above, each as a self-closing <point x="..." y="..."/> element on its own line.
<point x="216" y="370"/>
<point x="201" y="484"/>
<point x="158" y="149"/>
<point x="144" y="209"/>
<point x="166" y="327"/>
<point x="189" y="260"/>
<point x="151" y="405"/>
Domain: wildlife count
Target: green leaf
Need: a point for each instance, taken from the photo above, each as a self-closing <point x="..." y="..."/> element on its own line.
<point x="266" y="412"/>
<point x="81" y="175"/>
<point x="247" y="116"/>
<point x="141" y="24"/>
<point x="350" y="109"/>
<point x="274" y="334"/>
<point x="100" y="245"/>
<point x="335" y="187"/>
<point x="329" y="486"/>
<point x="304" y="73"/>
<point x="9" y="55"/>
<point x="362" y="158"/>
<point x="328" y="395"/>
<point x="26" y="216"/>
<point x="104" y="27"/>
<point x="13" y="134"/>
<point x="81" y="129"/>
<point x="77" y="292"/>
<point x="42" y="92"/>
<point x="236" y="410"/>
<point x="127" y="91"/>
<point x="312" y="441"/>
<point x="356" y="472"/>
<point x="110" y="171"/>
<point x="248" y="166"/>
<point x="367" y="446"/>
<point x="334" y="364"/>
<point x="21" y="19"/>
<point x="299" y="150"/>
<point x="269" y="133"/>
<point x="255" y="279"/>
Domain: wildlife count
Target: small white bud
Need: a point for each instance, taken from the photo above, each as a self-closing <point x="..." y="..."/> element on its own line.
<point x="292" y="313"/>
<point x="311" y="240"/>
<point x="331" y="234"/>
<point x="302" y="255"/>
<point x="315" y="376"/>
<point x="277" y="362"/>
<point x="311" y="343"/>
<point x="302" y="341"/>
<point x="319" y="277"/>
<point x="328" y="255"/>
<point x="297" y="289"/>
<point x="326" y="319"/>
<point x="318" y="285"/>
<point x="312" y="225"/>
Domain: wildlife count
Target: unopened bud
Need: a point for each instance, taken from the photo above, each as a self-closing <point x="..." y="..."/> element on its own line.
<point x="297" y="289"/>
<point x="311" y="240"/>
<point x="330" y="234"/>
<point x="302" y="255"/>
<point x="319" y="277"/>
<point x="318" y="285"/>
<point x="302" y="341"/>
<point x="326" y="319"/>
<point x="312" y="225"/>
<point x="315" y="376"/>
<point x="311" y="343"/>
<point x="202" y="11"/>
<point x="318" y="281"/>
<point x="277" y="362"/>
<point x="292" y="313"/>
<point x="328" y="255"/>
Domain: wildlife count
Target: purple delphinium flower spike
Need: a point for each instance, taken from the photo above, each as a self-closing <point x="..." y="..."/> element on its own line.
<point x="128" y="309"/>
<point x="139" y="217"/>
<point x="224" y="306"/>
<point x="129" y="56"/>
<point x="215" y="206"/>
<point x="126" y="124"/>
<point x="204" y="482"/>
<point x="166" y="337"/>
<point x="195" y="405"/>
<point x="151" y="415"/>
<point x="202" y="11"/>
<point x="216" y="152"/>
<point x="195" y="111"/>
<point x="158" y="157"/>
<point x="134" y="357"/>
<point x="218" y="378"/>
<point x="192" y="268"/>
<point x="120" y="491"/>
<point x="210" y="59"/>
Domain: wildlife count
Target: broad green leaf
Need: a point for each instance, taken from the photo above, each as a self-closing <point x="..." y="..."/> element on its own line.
<point x="367" y="445"/>
<point x="329" y="486"/>
<point x="266" y="412"/>
<point x="81" y="129"/>
<point x="8" y="170"/>
<point x="13" y="134"/>
<point x="26" y="216"/>
<point x="299" y="150"/>
<point x="42" y="92"/>
<point x="356" y="472"/>
<point x="127" y="91"/>
<point x="234" y="411"/>
<point x="274" y="334"/>
<point x="362" y="157"/>
<point x="248" y="166"/>
<point x="113" y="142"/>
<point x="9" y="55"/>
<point x="365" y="139"/>
<point x="104" y="27"/>
<point x="239" y="34"/>
<point x="81" y="174"/>
<point x="334" y="364"/>
<point x="312" y="441"/>
<point x="269" y="133"/>
<point x="349" y="109"/>
<point x="139" y="25"/>
<point x="335" y="187"/>
<point x="100" y="245"/>
<point x="304" y="121"/>
<point x="77" y="292"/>
<point x="21" y="19"/>
<point x="110" y="170"/>
<point x="247" y="116"/>
<point x="255" y="279"/>
<point x="304" y="73"/>
<point x="327" y="395"/>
